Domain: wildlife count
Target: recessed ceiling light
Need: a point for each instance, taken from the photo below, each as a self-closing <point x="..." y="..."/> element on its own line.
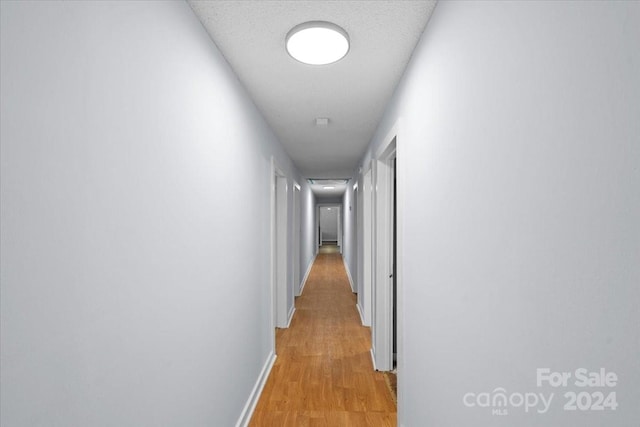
<point x="328" y="187"/>
<point x="317" y="43"/>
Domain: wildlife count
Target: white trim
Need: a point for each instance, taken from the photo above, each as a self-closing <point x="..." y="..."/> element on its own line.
<point x="346" y="268"/>
<point x="272" y="317"/>
<point x="384" y="149"/>
<point x="306" y="275"/>
<point x="366" y="276"/>
<point x="360" y="313"/>
<point x="296" y="239"/>
<point x="291" y="313"/>
<point x="400" y="198"/>
<point x="340" y="228"/>
<point x="250" y="406"/>
<point x="373" y="359"/>
<point x="339" y="224"/>
<point x="382" y="319"/>
<point x="281" y="248"/>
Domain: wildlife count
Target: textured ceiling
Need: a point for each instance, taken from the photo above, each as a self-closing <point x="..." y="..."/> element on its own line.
<point x="352" y="92"/>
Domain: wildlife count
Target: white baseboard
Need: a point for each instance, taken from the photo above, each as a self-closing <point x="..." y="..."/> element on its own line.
<point x="291" y="313"/>
<point x="346" y="268"/>
<point x="306" y="275"/>
<point x="373" y="360"/>
<point x="250" y="406"/>
<point x="360" y="313"/>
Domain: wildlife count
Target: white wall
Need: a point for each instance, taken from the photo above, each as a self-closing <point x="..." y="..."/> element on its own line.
<point x="518" y="185"/>
<point x="135" y="219"/>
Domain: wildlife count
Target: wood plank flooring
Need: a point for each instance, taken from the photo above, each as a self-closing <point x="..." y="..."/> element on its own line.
<point x="323" y="375"/>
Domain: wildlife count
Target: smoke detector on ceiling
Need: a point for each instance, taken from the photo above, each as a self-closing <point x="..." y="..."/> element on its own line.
<point x="322" y="122"/>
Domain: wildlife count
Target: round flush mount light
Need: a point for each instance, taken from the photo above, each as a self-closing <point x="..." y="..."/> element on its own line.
<point x="317" y="43"/>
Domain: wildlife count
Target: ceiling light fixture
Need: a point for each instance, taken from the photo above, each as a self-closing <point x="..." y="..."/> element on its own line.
<point x="317" y="43"/>
<point x="328" y="187"/>
<point x="326" y="181"/>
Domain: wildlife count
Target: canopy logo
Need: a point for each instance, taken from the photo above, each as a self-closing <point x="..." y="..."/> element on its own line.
<point x="594" y="393"/>
<point x="499" y="401"/>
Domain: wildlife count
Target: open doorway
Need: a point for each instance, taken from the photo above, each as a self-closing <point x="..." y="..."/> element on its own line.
<point x="384" y="331"/>
<point x="330" y="228"/>
<point x="394" y="296"/>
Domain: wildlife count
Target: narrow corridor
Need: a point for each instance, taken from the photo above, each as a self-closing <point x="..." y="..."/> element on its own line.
<point x="323" y="375"/>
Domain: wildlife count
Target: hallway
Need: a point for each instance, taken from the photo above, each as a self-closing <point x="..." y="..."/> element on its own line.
<point x="323" y="374"/>
<point x="163" y="170"/>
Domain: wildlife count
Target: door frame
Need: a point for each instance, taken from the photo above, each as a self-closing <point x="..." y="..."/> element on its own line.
<point x="296" y="239"/>
<point x="366" y="274"/>
<point x="338" y="225"/>
<point x="382" y="295"/>
<point x="279" y="228"/>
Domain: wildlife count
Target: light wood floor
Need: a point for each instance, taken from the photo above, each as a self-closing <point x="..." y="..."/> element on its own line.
<point x="323" y="374"/>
